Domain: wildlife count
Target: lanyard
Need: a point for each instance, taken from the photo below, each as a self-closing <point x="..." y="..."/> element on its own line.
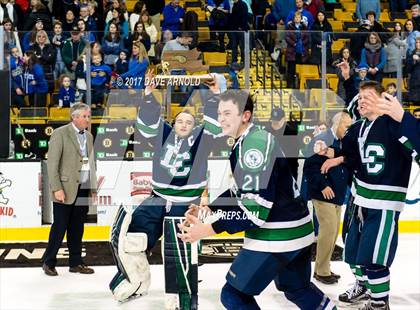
<point x="363" y="137"/>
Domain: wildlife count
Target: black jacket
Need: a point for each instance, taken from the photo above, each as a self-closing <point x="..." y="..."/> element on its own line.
<point x="238" y="19"/>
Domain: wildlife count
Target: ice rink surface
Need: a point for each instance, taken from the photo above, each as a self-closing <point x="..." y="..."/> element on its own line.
<point x="29" y="288"/>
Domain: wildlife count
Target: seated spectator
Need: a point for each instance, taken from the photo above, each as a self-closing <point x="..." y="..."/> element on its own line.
<point x="151" y="31"/>
<point x="139" y="34"/>
<point x="307" y="18"/>
<point x="375" y="26"/>
<point x="364" y="6"/>
<point x="395" y="51"/>
<point x="72" y="51"/>
<point x="121" y="66"/>
<point x="173" y="16"/>
<point x="46" y="54"/>
<point x="69" y="22"/>
<point x="29" y="37"/>
<point x="96" y="49"/>
<point x="139" y="8"/>
<point x="85" y="35"/>
<point x="58" y="41"/>
<point x="120" y="21"/>
<point x="391" y="89"/>
<point x="181" y="43"/>
<point x="137" y="67"/>
<point x="416" y="113"/>
<point x="166" y="37"/>
<point x="218" y="20"/>
<point x="35" y="85"/>
<point x="120" y="6"/>
<point x="66" y="94"/>
<point x="314" y="6"/>
<point x="112" y="44"/>
<point x="413" y="69"/>
<point x="415" y="16"/>
<point x="100" y="77"/>
<point x="90" y="22"/>
<point x="16" y="65"/>
<point x="297" y="51"/>
<point x="344" y="55"/>
<point x="37" y="11"/>
<point x="412" y="35"/>
<point x="374" y="56"/>
<point x="320" y="26"/>
<point x="358" y="39"/>
<point x="362" y="71"/>
<point x="11" y="38"/>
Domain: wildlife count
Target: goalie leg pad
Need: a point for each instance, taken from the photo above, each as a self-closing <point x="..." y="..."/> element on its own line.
<point x="128" y="249"/>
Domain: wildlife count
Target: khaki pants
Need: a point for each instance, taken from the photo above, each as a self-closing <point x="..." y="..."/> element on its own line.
<point x="328" y="216"/>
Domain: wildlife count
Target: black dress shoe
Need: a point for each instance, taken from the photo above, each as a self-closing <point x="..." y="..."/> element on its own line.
<point x="81" y="269"/>
<point x="326" y="279"/>
<point x="337" y="276"/>
<point x="49" y="271"/>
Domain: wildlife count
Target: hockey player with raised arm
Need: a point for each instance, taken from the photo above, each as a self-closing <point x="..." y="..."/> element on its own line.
<point x="179" y="177"/>
<point x="267" y="206"/>
<point x="381" y="158"/>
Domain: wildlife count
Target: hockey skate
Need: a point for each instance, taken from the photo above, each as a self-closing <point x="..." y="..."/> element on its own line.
<point x="375" y="305"/>
<point x="354" y="295"/>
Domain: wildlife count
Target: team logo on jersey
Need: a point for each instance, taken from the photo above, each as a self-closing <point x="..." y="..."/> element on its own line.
<point x="253" y="159"/>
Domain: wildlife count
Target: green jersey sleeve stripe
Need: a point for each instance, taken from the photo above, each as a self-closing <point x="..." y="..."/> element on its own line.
<point x="147" y="130"/>
<point x="281" y="234"/>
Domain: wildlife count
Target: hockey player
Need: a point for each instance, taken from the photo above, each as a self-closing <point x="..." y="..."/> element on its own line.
<point x="179" y="178"/>
<point x="277" y="224"/>
<point x="381" y="159"/>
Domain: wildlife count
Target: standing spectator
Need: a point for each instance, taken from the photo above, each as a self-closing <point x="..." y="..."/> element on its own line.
<point x="37" y="11"/>
<point x="29" y="38"/>
<point x="96" y="16"/>
<point x="321" y="30"/>
<point x="85" y="35"/>
<point x="412" y="35"/>
<point x="35" y="85"/>
<point x="118" y="5"/>
<point x="96" y="49"/>
<point x="60" y="8"/>
<point x="397" y="5"/>
<point x="306" y="16"/>
<point x="84" y="15"/>
<point x="374" y="56"/>
<point x="173" y="17"/>
<point x="69" y="22"/>
<point x="314" y="6"/>
<point x="238" y="21"/>
<point x="66" y="94"/>
<point x="155" y="8"/>
<point x="328" y="194"/>
<point x="80" y="76"/>
<point x="151" y="31"/>
<point x="8" y="11"/>
<point x="139" y="34"/>
<point x="72" y="178"/>
<point x="112" y="44"/>
<point x="120" y="21"/>
<point x="71" y="51"/>
<point x="344" y="55"/>
<point x="191" y="25"/>
<point x="413" y="69"/>
<point x="121" y="66"/>
<point x="395" y="51"/>
<point x="364" y="6"/>
<point x="139" y="8"/>
<point x="11" y="38"/>
<point x="137" y="67"/>
<point x="279" y="12"/>
<point x="46" y="54"/>
<point x="58" y="41"/>
<point x="16" y="64"/>
<point x="358" y="39"/>
<point x="297" y="51"/>
<point x="218" y="20"/>
<point x="100" y="77"/>
<point x="415" y="16"/>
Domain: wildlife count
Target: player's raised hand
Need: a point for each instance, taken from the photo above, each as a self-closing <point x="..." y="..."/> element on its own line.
<point x="213" y="84"/>
<point x="196" y="231"/>
<point x="386" y="105"/>
<point x="345" y="69"/>
<point x="320" y="148"/>
<point x="150" y="82"/>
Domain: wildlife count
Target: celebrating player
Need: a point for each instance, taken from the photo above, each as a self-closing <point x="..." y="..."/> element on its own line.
<point x="277" y="224"/>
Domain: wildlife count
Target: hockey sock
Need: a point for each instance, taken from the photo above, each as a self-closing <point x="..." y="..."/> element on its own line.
<point x="378" y="282"/>
<point x="310" y="298"/>
<point x="180" y="264"/>
<point x="360" y="274"/>
<point x="233" y="299"/>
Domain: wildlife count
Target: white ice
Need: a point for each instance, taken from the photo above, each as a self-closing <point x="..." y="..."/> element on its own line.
<point x="29" y="288"/>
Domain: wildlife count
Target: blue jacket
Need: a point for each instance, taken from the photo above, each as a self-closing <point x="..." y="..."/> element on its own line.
<point x="137" y="71"/>
<point x="66" y="97"/>
<point x="112" y="47"/>
<point x="364" y="6"/>
<point x="16" y="71"/>
<point x="171" y="17"/>
<point x="282" y="8"/>
<point x="382" y="59"/>
<point x="35" y="75"/>
<point x="225" y="5"/>
<point x="124" y="30"/>
<point x="411" y="40"/>
<point x="307" y="18"/>
<point x="337" y="177"/>
<point x="100" y="74"/>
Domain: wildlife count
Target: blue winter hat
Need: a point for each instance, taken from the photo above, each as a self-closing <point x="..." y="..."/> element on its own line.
<point x="362" y="66"/>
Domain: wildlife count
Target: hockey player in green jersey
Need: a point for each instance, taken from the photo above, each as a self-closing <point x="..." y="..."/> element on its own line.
<point x="267" y="206"/>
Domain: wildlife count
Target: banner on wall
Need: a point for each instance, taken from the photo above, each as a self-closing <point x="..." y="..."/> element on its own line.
<point x="20" y="194"/>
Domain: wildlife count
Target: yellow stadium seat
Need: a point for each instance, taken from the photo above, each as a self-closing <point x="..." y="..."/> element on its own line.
<point x="333" y="82"/>
<point x="306" y="72"/>
<point x="384" y="17"/>
<point x="122" y="112"/>
<point x="203" y="34"/>
<point x="215" y="59"/>
<point x="338" y="45"/>
<point x="343" y="16"/>
<point x="349" y="6"/>
<point x="59" y="113"/>
<point x="337" y="25"/>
